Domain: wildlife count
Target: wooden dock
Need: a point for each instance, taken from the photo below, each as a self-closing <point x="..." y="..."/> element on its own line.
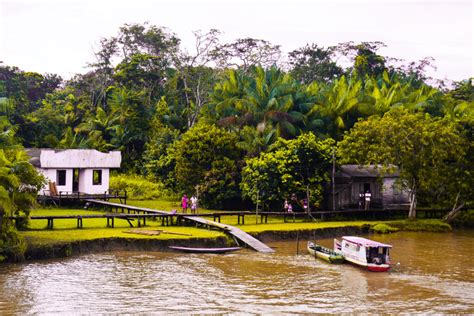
<point x="232" y="230"/>
<point x="127" y="207"/>
<point x="67" y="198"/>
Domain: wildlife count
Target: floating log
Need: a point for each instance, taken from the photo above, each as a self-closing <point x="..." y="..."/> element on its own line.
<point x="153" y="232"/>
<point x="205" y="250"/>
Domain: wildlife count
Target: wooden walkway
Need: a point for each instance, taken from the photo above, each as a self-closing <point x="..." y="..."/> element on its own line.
<point x="234" y="231"/>
<point x="127" y="207"/>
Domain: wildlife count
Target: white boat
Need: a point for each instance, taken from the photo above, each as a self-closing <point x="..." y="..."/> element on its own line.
<point x="373" y="255"/>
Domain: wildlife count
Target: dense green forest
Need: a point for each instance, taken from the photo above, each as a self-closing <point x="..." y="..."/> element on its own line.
<point x="235" y="124"/>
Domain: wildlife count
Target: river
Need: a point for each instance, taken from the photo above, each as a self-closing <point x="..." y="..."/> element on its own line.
<point x="432" y="273"/>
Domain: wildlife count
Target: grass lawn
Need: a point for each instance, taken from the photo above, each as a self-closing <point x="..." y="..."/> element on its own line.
<point x="65" y="230"/>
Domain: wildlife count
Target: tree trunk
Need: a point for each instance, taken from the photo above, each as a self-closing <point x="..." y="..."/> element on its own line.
<point x="455" y="211"/>
<point x="412" y="212"/>
<point x="333" y="178"/>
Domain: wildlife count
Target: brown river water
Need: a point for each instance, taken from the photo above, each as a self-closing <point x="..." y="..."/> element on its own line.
<point x="433" y="273"/>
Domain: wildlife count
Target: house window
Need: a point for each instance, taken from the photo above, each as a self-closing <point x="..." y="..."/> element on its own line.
<point x="96" y="177"/>
<point x="61" y="177"/>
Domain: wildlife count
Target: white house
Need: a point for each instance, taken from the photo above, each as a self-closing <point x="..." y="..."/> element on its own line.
<point x="75" y="170"/>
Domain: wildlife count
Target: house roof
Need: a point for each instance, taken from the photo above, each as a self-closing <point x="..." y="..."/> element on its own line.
<point x="34" y="153"/>
<point x="372" y="171"/>
<point x="365" y="242"/>
<point x="73" y="158"/>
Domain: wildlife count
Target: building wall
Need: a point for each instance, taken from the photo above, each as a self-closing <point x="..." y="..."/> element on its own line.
<point x="384" y="194"/>
<point x="86" y="181"/>
<point x="51" y="175"/>
<point x="358" y="187"/>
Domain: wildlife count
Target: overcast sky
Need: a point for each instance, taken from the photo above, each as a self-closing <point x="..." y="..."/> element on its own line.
<point x="60" y="36"/>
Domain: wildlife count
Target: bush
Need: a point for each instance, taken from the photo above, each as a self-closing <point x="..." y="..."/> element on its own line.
<point x="429" y="225"/>
<point x="12" y="245"/>
<point x="464" y="219"/>
<point x="139" y="188"/>
<point x="383" y="229"/>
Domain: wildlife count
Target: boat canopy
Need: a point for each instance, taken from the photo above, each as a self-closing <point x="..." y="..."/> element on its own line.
<point x="365" y="242"/>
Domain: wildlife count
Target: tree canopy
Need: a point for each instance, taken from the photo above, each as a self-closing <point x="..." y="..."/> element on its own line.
<point x="241" y="103"/>
<point x="430" y="153"/>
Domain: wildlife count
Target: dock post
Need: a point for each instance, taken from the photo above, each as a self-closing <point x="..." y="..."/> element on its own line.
<point x="297" y="242"/>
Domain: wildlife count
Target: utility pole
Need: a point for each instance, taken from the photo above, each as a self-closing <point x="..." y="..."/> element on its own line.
<point x="256" y="211"/>
<point x="333" y="178"/>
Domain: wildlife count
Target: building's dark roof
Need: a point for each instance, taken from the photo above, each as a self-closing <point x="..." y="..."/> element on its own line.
<point x="35" y="154"/>
<point x="356" y="171"/>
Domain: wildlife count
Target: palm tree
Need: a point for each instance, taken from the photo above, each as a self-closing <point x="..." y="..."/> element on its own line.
<point x="269" y="101"/>
<point x="101" y="129"/>
<point x="336" y="106"/>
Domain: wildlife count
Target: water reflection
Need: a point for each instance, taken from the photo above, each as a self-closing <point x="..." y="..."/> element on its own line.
<point x="131" y="282"/>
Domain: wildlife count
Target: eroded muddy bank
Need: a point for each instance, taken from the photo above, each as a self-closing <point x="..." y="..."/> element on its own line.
<point x="50" y="251"/>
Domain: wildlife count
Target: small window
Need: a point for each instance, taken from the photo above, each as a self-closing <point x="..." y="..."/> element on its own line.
<point x="61" y="177"/>
<point x="97" y="177"/>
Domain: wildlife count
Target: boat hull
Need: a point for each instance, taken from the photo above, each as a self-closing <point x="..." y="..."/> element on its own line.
<point x="370" y="266"/>
<point x="325" y="254"/>
<point x="378" y="268"/>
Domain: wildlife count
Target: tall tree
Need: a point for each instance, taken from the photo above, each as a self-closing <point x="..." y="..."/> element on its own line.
<point x="19" y="185"/>
<point x="195" y="73"/>
<point x="312" y="63"/>
<point x="247" y="52"/>
<point x="336" y="106"/>
<point x="364" y="56"/>
<point x="207" y="161"/>
<point x="298" y="166"/>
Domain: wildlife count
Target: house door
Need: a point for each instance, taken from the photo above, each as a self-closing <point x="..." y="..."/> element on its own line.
<point x="367" y="187"/>
<point x="75" y="180"/>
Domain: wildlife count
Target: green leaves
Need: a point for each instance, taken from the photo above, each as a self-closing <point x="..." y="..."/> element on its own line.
<point x="206" y="160"/>
<point x="290" y="167"/>
<point x="430" y="153"/>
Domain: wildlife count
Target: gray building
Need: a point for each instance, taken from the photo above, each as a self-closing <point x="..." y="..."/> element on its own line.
<point x="352" y="180"/>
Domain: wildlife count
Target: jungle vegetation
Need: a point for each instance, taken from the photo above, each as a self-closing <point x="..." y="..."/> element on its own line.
<point x="236" y="124"/>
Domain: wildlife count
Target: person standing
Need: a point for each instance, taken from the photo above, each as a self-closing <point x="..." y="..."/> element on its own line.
<point x="361" y="200"/>
<point x="184" y="203"/>
<point x="368" y="196"/>
<point x="194" y="201"/>
<point x="289" y="207"/>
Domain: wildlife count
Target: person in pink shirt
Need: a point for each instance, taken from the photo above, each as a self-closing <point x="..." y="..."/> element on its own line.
<point x="184" y="203"/>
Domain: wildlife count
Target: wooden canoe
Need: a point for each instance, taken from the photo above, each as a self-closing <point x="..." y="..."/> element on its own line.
<point x="205" y="250"/>
<point x="324" y="253"/>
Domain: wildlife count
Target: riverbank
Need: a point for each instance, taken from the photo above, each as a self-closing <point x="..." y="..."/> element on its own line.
<point x="48" y="244"/>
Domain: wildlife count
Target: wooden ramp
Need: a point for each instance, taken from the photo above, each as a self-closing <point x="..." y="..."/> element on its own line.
<point x="234" y="231"/>
<point x="128" y="207"/>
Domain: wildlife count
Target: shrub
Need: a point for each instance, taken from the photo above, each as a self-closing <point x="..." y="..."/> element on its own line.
<point x="12" y="245"/>
<point x="429" y="225"/>
<point x="138" y="187"/>
<point x="383" y="228"/>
